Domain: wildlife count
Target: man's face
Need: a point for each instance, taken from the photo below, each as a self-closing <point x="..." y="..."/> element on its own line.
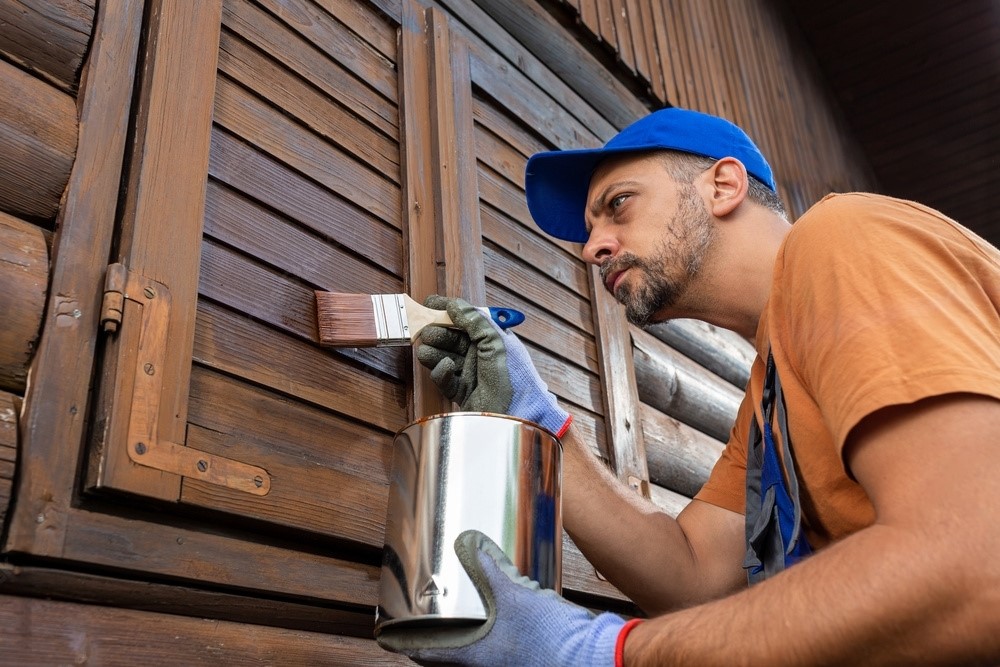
<point x="648" y="234"/>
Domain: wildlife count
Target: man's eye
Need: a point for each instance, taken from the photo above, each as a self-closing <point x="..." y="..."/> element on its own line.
<point x="617" y="201"/>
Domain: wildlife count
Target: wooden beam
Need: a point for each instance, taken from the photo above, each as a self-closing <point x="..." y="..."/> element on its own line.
<point x="725" y="353"/>
<point x="680" y="457"/>
<point x="24" y="280"/>
<point x="57" y="400"/>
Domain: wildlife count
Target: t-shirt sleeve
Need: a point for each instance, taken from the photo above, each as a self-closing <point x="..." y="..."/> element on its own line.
<point x="886" y="303"/>
<point x="726" y="485"/>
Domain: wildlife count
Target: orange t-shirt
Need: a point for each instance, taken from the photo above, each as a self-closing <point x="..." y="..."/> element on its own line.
<point x="874" y="302"/>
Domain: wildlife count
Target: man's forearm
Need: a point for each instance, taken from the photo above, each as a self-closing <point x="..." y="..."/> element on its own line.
<point x="642" y="550"/>
<point x="883" y="596"/>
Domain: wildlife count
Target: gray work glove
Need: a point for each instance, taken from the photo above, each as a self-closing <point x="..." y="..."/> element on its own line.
<point x="526" y="625"/>
<point x="486" y="369"/>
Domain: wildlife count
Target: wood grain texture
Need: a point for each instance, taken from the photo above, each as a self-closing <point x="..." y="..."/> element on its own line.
<point x="57" y="403"/>
<point x="24" y="280"/>
<point x="9" y="409"/>
<point x="38" y="141"/>
<point x="39" y="632"/>
<point x="48" y="37"/>
<point x="725" y="353"/>
<point x="680" y="457"/>
<point x="171" y="598"/>
<point x="678" y="387"/>
<point x="671" y="502"/>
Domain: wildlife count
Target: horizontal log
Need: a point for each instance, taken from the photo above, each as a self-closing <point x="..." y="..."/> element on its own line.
<point x="48" y="37"/>
<point x="676" y="386"/>
<point x="669" y="501"/>
<point x="24" y="278"/>
<point x="38" y="142"/>
<point x="8" y="450"/>
<point x="725" y="353"/>
<point x="679" y="457"/>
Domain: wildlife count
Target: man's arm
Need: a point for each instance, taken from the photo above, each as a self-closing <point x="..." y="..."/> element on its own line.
<point x="660" y="563"/>
<point x="920" y="586"/>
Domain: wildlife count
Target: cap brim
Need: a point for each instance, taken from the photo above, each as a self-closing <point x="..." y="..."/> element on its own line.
<point x="556" y="185"/>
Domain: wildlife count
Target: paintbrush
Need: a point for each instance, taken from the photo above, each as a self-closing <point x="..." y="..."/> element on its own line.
<point x="384" y="320"/>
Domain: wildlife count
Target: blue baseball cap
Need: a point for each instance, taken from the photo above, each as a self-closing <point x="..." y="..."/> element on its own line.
<point x="556" y="182"/>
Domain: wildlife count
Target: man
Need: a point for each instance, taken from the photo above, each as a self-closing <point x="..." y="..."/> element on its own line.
<point x="860" y="489"/>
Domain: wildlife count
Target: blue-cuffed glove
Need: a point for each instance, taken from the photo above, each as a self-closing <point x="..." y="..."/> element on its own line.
<point x="526" y="625"/>
<point x="485" y="369"/>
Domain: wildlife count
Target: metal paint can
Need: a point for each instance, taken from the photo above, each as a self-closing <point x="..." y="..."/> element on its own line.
<point x="459" y="471"/>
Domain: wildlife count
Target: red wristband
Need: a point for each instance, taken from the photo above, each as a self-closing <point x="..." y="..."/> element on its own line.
<point x="620" y="644"/>
<point x="565" y="427"/>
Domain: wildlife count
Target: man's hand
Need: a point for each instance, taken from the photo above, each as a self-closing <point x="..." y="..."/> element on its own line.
<point x="526" y="626"/>
<point x="486" y="369"/>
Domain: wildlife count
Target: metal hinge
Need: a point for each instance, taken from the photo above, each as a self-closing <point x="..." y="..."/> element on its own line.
<point x="143" y="443"/>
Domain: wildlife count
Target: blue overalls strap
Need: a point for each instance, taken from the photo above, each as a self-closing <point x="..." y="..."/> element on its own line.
<point x="773" y="511"/>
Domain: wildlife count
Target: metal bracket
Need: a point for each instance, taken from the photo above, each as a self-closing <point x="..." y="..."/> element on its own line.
<point x="143" y="444"/>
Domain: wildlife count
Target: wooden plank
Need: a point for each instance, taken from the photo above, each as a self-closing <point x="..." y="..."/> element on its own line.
<point x="276" y="39"/>
<point x="273" y="132"/>
<point x="637" y="35"/>
<point x="330" y="36"/>
<point x="420" y="227"/>
<point x="539" y="328"/>
<point x="621" y="401"/>
<point x="606" y="18"/>
<point x="671" y="82"/>
<point x="495" y="151"/>
<point x="649" y="27"/>
<point x="496" y="120"/>
<point x="331" y="121"/>
<point x="24" y="280"/>
<point x="367" y="24"/>
<point x="67" y="585"/>
<point x="9" y="409"/>
<point x="682" y="389"/>
<point x="44" y="632"/>
<point x="48" y="37"/>
<point x="588" y="16"/>
<point x="680" y="458"/>
<point x="162" y="219"/>
<point x="56" y="404"/>
<point x="313" y="207"/>
<point x="533" y="250"/>
<point x="590" y="427"/>
<point x="495" y="49"/>
<point x="534" y="27"/>
<point x="238" y="282"/>
<point x="38" y="142"/>
<point x="456" y="199"/>
<point x="527" y="281"/>
<point x="624" y="35"/>
<point x="579" y="576"/>
<point x="234" y="344"/>
<point x="567" y="381"/>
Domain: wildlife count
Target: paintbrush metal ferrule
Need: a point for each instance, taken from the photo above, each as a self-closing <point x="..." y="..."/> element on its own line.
<point x="391" y="325"/>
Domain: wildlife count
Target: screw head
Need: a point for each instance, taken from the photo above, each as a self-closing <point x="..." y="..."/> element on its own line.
<point x="150" y="370"/>
<point x="258" y="481"/>
<point x="202" y="465"/>
<point x="149" y="292"/>
<point x="140" y="448"/>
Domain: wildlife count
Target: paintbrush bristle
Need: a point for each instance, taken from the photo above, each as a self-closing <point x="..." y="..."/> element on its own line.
<point x="345" y="320"/>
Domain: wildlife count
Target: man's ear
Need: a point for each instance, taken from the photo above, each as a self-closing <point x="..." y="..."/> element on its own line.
<point x="728" y="185"/>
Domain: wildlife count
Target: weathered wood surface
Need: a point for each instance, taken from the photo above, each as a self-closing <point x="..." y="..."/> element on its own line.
<point x="24" y="274"/>
<point x="38" y="142"/>
<point x="37" y="633"/>
<point x="725" y="353"/>
<point x="173" y="598"/>
<point x="48" y="37"/>
<point x="680" y="457"/>
<point x="678" y="387"/>
<point x="56" y="405"/>
<point x="9" y="408"/>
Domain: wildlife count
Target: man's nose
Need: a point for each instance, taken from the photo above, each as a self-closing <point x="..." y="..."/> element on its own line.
<point x="600" y="247"/>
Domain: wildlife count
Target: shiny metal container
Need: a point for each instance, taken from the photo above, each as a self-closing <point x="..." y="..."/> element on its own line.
<point x="459" y="471"/>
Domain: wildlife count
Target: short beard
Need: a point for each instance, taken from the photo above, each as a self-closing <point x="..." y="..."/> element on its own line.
<point x="667" y="275"/>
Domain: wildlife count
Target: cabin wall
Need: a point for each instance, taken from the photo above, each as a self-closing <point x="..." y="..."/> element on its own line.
<point x="233" y="156"/>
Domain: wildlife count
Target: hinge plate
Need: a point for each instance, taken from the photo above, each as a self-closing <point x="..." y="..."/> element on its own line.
<point x="143" y="443"/>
